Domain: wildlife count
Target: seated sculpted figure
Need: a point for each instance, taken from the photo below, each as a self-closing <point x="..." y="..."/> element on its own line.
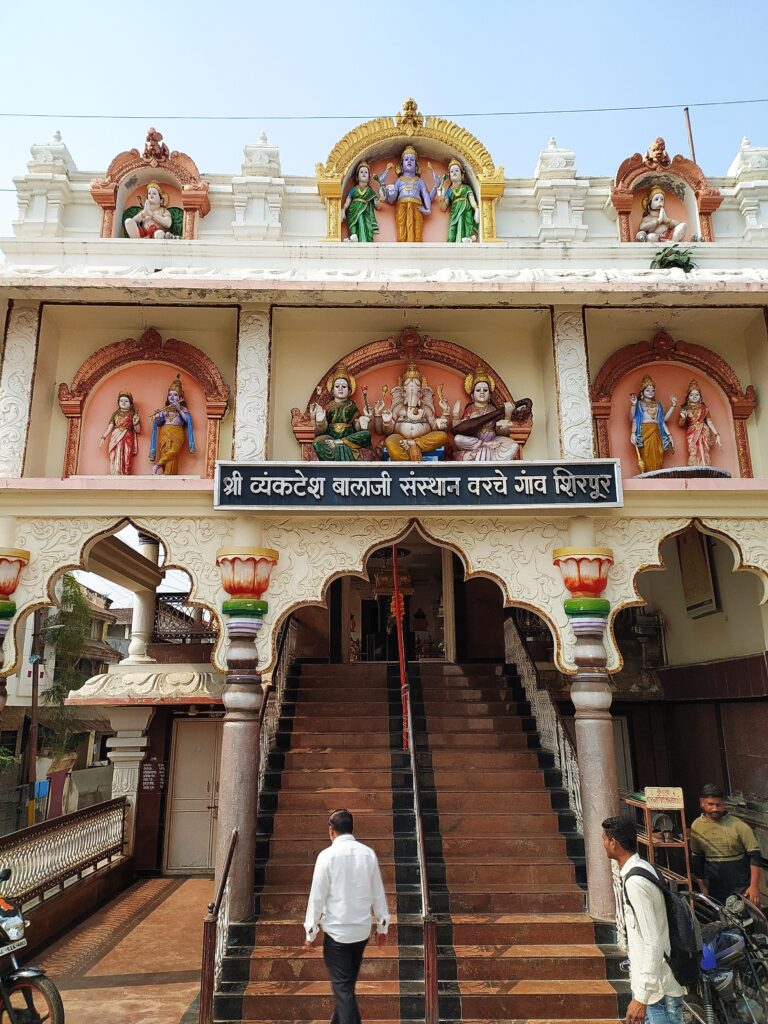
<point x="650" y="435"/>
<point x="341" y="429"/>
<point x="411" y="426"/>
<point x="656" y="225"/>
<point x="489" y="441"/>
<point x="154" y="219"/>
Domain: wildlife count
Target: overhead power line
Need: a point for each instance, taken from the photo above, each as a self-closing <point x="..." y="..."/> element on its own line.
<point x="160" y="118"/>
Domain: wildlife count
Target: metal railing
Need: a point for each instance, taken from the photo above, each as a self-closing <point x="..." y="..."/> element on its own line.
<point x="429" y="921"/>
<point x="45" y="858"/>
<point x="215" y="934"/>
<point x="549" y="722"/>
<point x="272" y="704"/>
<point x="178" y="621"/>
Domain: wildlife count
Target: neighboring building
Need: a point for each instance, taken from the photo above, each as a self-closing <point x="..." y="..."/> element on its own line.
<point x="314" y="356"/>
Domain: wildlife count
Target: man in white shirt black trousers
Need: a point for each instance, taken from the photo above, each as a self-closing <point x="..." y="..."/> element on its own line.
<point x="346" y="888"/>
<point x="657" y="997"/>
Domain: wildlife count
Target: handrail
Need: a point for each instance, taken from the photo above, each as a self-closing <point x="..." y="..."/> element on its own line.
<point x="214" y="938"/>
<point x="431" y="998"/>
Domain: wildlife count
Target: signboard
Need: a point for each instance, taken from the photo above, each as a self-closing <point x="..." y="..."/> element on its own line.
<point x="664" y="798"/>
<point x="152" y="775"/>
<point x="403" y="486"/>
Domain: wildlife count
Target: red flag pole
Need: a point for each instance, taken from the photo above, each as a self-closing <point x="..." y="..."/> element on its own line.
<point x="398" y="609"/>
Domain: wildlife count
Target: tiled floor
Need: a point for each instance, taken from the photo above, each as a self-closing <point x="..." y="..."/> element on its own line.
<point x="137" y="960"/>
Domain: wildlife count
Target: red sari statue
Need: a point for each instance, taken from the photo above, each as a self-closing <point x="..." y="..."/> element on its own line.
<point x="699" y="428"/>
<point x="122" y="430"/>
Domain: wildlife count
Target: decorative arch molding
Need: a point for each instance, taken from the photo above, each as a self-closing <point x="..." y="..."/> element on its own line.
<point x="636" y="168"/>
<point x="662" y="347"/>
<point x="181" y="168"/>
<point x="150" y="347"/>
<point x="409" y="126"/>
<point x="410" y="346"/>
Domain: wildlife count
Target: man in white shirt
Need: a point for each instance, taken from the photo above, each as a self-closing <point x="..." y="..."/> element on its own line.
<point x="346" y="887"/>
<point x="657" y="997"/>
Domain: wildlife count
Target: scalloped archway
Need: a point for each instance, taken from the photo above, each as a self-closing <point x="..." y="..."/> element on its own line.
<point x="409" y="126"/>
<point x="149" y="348"/>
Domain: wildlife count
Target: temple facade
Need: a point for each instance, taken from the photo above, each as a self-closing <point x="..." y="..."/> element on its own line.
<point x="529" y="407"/>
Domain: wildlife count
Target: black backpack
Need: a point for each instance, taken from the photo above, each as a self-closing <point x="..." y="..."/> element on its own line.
<point x="684" y="932"/>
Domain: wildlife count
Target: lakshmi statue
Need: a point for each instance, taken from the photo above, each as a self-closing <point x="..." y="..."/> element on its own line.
<point x="699" y="428"/>
<point x="650" y="435"/>
<point x="154" y="219"/>
<point x="341" y="430"/>
<point x="411" y="426"/>
<point x="360" y="206"/>
<point x="123" y="426"/>
<point x="465" y="213"/>
<point x="168" y="427"/>
<point x="656" y="226"/>
<point x="409" y="195"/>
<point x="483" y="433"/>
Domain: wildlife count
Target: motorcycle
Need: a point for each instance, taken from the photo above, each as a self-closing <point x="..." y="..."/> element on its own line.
<point x="27" y="996"/>
<point x="734" y="964"/>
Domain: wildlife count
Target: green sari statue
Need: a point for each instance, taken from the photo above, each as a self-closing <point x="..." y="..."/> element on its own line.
<point x="360" y="208"/>
<point x="340" y="428"/>
<point x="463" y="205"/>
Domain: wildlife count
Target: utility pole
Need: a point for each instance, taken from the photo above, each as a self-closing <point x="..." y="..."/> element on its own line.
<point x="690" y="133"/>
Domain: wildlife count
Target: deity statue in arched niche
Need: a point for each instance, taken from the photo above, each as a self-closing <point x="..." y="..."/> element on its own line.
<point x="122" y="430"/>
<point x="650" y="435"/>
<point x="360" y="207"/>
<point x="700" y="431"/>
<point x="656" y="225"/>
<point x="153" y="219"/>
<point x="341" y="429"/>
<point x="460" y="199"/>
<point x="169" y="427"/>
<point x="410" y="197"/>
<point x="483" y="433"/>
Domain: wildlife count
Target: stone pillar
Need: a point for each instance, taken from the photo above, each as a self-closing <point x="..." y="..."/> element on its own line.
<point x="12" y="562"/>
<point x="126" y="752"/>
<point x="252" y="389"/>
<point x="585" y="574"/>
<point x="18" y="372"/>
<point x="143" y="620"/>
<point x="574" y="410"/>
<point x="245" y="576"/>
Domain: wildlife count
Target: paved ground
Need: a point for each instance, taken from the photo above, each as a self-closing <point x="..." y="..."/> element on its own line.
<point x="136" y="961"/>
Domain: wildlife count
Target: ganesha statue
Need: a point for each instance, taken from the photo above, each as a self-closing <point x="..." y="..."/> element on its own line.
<point x="411" y="425"/>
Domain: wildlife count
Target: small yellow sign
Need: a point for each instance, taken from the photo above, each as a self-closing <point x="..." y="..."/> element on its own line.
<point x="664" y="798"/>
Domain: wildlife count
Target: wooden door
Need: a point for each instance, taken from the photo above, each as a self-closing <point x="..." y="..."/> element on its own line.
<point x="194" y="796"/>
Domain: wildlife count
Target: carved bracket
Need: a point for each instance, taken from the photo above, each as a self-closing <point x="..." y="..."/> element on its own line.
<point x="150" y="347"/>
<point x="662" y="347"/>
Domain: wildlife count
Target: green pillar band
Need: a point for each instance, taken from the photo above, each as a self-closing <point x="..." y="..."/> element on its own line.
<point x="248" y="607"/>
<point x="7" y="609"/>
<point x="587" y="606"/>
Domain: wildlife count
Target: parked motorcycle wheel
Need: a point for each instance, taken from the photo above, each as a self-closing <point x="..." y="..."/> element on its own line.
<point x="34" y="1001"/>
<point x="693" y="1012"/>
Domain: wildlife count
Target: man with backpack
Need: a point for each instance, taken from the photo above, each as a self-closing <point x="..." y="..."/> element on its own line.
<point x="657" y="995"/>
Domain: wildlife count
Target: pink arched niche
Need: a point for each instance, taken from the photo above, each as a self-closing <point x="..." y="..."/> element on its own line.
<point x="671" y="379"/>
<point x="435" y="224"/>
<point x="148" y="383"/>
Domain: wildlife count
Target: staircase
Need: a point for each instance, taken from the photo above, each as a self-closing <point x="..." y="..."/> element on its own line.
<point x="339" y="745"/>
<point x="504" y="860"/>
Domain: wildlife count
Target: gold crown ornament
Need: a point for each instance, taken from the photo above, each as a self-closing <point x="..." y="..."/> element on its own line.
<point x="474" y="378"/>
<point x="340" y="373"/>
<point x="163" y="195"/>
<point x="412" y="372"/>
<point x="657" y="190"/>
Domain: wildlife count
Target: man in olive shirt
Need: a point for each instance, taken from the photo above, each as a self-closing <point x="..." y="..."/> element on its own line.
<point x="724" y="852"/>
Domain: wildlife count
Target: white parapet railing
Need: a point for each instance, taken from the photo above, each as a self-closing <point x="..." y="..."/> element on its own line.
<point x="549" y="723"/>
<point x="51" y="856"/>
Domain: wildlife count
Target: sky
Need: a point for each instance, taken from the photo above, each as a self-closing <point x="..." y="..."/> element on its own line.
<point x="349" y="62"/>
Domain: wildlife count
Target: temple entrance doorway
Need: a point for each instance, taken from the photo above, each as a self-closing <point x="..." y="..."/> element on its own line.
<point x="447" y="618"/>
<point x="194" y="795"/>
